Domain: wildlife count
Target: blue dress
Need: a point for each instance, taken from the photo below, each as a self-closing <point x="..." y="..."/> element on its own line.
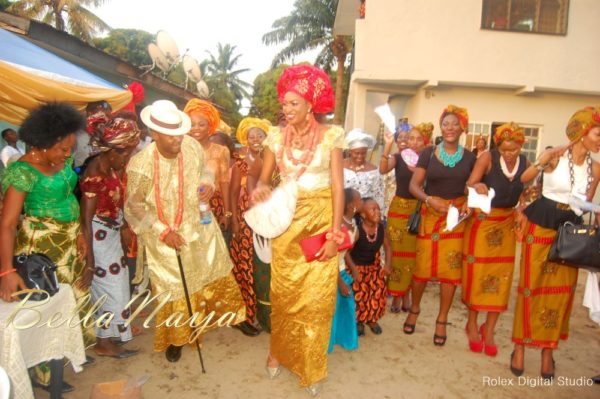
<point x="343" y="325"/>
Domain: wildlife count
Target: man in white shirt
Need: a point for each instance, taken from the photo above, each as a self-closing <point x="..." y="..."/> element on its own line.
<point x="10" y="152"/>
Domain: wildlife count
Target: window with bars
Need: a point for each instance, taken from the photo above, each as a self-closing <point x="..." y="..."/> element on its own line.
<point x="532" y="139"/>
<point x="534" y="16"/>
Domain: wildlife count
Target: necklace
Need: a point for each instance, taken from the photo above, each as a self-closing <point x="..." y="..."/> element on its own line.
<point x="306" y="157"/>
<point x="159" y="210"/>
<point x="504" y="167"/>
<point x="371" y="238"/>
<point x="451" y="160"/>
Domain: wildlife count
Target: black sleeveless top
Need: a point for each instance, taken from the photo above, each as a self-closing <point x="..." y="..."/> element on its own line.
<point x="507" y="192"/>
<point x="442" y="181"/>
<point x="403" y="176"/>
<point x="363" y="253"/>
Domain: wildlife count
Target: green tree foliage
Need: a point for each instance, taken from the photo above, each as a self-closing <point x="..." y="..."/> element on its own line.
<point x="130" y="45"/>
<point x="265" y="103"/>
<point x="4" y="4"/>
<point x="64" y="15"/>
<point x="221" y="68"/>
<point x="309" y="27"/>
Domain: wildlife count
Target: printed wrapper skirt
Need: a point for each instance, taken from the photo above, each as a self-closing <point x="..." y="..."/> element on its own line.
<point x="242" y="251"/>
<point x="111" y="280"/>
<point x="488" y="260"/>
<point x="58" y="241"/>
<point x="370" y="293"/>
<point x="403" y="245"/>
<point x="303" y="294"/>
<point x="439" y="252"/>
<point x="545" y="292"/>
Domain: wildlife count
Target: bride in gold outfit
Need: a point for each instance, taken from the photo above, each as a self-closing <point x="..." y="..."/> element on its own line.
<point x="303" y="294"/>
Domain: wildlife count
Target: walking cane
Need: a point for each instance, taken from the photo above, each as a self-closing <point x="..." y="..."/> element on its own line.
<point x="189" y="306"/>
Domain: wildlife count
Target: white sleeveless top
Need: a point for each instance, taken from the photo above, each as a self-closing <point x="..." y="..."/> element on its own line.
<point x="557" y="184"/>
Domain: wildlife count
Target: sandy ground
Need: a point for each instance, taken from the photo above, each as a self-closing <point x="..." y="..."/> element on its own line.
<point x="392" y="365"/>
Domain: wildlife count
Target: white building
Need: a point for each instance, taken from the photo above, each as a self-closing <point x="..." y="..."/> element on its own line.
<point x="533" y="62"/>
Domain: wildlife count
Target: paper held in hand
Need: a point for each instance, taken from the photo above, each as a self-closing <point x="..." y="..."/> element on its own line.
<point x="387" y="117"/>
<point x="481" y="201"/>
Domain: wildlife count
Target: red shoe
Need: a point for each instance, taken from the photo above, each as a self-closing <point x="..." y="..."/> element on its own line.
<point x="475" y="346"/>
<point x="490" y="350"/>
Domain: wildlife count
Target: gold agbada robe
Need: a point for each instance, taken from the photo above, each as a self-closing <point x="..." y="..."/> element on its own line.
<point x="205" y="258"/>
<point x="303" y="294"/>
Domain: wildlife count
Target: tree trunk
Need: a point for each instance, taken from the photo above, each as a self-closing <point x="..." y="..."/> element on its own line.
<point x="59" y="21"/>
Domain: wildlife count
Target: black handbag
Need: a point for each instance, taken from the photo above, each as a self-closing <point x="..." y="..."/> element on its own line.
<point x="414" y="220"/>
<point x="577" y="245"/>
<point x="38" y="272"/>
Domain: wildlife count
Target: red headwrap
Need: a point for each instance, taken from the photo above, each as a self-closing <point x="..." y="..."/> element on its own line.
<point x="461" y="114"/>
<point x="206" y="110"/>
<point x="311" y="83"/>
<point x="137" y="90"/>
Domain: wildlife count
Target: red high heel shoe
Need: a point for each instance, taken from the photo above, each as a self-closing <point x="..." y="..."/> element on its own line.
<point x="490" y="350"/>
<point x="474" y="346"/>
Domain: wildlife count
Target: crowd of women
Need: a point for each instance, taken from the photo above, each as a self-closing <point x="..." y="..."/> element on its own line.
<point x="307" y="308"/>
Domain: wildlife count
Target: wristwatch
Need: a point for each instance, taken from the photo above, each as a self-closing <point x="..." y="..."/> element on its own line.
<point x="228" y="214"/>
<point x="539" y="166"/>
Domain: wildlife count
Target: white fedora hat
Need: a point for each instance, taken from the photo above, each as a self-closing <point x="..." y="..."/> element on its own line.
<point x="164" y="117"/>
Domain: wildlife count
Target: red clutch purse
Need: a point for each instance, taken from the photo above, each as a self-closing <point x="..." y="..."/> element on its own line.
<point x="311" y="245"/>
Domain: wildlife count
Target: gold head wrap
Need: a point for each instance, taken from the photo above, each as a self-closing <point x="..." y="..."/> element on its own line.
<point x="426" y="130"/>
<point x="248" y="123"/>
<point x="206" y="110"/>
<point x="582" y="122"/>
<point x="509" y="132"/>
<point x="461" y="114"/>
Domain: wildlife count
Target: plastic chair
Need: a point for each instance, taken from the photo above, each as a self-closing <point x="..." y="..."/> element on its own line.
<point x="4" y="384"/>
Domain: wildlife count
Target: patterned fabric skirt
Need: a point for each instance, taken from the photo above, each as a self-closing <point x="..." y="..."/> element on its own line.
<point x="488" y="260"/>
<point x="222" y="297"/>
<point x="242" y="251"/>
<point x="58" y="241"/>
<point x="370" y="292"/>
<point x="262" y="287"/>
<point x="111" y="280"/>
<point x="343" y="326"/>
<point x="403" y="245"/>
<point x="217" y="205"/>
<point x="303" y="294"/>
<point x="545" y="293"/>
<point x="439" y="252"/>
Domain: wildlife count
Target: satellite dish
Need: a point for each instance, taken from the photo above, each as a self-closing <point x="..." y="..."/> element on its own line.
<point x="202" y="89"/>
<point x="168" y="46"/>
<point x="158" y="58"/>
<point x="191" y="68"/>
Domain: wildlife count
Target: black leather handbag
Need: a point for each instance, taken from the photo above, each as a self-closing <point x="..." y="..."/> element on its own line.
<point x="414" y="220"/>
<point x="38" y="272"/>
<point x="577" y="245"/>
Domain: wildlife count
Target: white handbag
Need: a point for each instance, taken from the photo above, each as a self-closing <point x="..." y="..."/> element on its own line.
<point x="272" y="217"/>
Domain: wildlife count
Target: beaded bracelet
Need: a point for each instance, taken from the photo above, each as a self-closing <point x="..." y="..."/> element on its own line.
<point x="7" y="272"/>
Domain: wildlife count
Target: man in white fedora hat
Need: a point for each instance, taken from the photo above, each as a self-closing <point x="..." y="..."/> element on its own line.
<point x="165" y="183"/>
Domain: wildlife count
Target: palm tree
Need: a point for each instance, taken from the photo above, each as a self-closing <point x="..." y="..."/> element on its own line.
<point x="220" y="70"/>
<point x="308" y="27"/>
<point x="80" y="21"/>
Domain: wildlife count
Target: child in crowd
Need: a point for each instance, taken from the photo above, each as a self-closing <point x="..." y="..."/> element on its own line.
<point x="343" y="326"/>
<point x="370" y="292"/>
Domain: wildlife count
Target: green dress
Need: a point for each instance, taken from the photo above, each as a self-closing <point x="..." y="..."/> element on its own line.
<point x="50" y="226"/>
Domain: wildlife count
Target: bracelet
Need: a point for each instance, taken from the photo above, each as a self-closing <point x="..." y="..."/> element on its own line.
<point x="7" y="272"/>
<point x="427" y="200"/>
<point x="539" y="166"/>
